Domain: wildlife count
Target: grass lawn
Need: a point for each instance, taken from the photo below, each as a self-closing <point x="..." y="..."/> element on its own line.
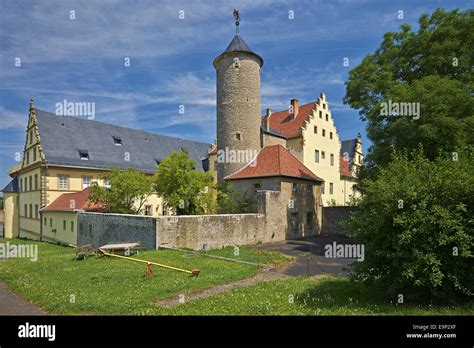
<point x="108" y="285"/>
<point x="113" y="286"/>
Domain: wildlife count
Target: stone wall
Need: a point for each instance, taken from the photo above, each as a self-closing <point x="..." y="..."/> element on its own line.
<point x="332" y="216"/>
<point x="214" y="230"/>
<point x="100" y="229"/>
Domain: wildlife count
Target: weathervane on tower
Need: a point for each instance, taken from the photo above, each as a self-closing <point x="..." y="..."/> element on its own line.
<point x="237" y="21"/>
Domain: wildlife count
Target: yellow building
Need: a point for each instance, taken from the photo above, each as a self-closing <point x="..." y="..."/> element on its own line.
<point x="65" y="154"/>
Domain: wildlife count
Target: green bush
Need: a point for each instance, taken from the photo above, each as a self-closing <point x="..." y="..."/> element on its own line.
<point x="416" y="222"/>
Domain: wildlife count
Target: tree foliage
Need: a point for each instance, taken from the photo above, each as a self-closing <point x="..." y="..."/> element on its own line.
<point x="416" y="222"/>
<point x="185" y="190"/>
<point x="230" y="201"/>
<point x="128" y="191"/>
<point x="432" y="67"/>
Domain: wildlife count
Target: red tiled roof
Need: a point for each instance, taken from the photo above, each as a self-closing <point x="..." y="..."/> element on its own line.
<point x="274" y="160"/>
<point x="344" y="166"/>
<point x="74" y="201"/>
<point x="284" y="123"/>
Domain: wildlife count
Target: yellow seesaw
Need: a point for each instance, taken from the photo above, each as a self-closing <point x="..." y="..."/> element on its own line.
<point x="194" y="272"/>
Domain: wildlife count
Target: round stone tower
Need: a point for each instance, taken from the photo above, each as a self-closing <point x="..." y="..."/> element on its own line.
<point x="238" y="107"/>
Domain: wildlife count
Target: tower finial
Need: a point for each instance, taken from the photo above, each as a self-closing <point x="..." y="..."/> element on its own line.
<point x="32" y="106"/>
<point x="237" y="21"/>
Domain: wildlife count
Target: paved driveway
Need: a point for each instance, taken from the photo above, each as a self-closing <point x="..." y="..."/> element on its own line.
<point x="309" y="255"/>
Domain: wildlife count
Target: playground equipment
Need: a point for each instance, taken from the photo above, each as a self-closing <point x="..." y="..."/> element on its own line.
<point x="149" y="272"/>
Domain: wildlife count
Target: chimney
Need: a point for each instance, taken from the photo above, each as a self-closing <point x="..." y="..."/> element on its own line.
<point x="296" y="107"/>
<point x="267" y="120"/>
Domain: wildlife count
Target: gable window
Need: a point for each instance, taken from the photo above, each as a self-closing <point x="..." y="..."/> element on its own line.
<point x="331" y="188"/>
<point x="36" y="182"/>
<point x="86" y="182"/>
<point x="316" y="156"/>
<point x="36" y="211"/>
<point x="27" y="157"/>
<point x="330" y="135"/>
<point x="294" y="187"/>
<point x="327" y="117"/>
<point x="34" y="154"/>
<point x="332" y="159"/>
<point x="63" y="182"/>
<point x="84" y="155"/>
<point x="323" y="154"/>
<point x="324" y="106"/>
<point x="117" y="141"/>
<point x="320" y="114"/>
<point x="324" y="132"/>
<point x="315" y="130"/>
<point x="31" y="137"/>
<point x="31" y="183"/>
<point x="256" y="186"/>
<point x="148" y="210"/>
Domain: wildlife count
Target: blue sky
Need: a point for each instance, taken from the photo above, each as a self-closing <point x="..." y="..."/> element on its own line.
<point x="81" y="60"/>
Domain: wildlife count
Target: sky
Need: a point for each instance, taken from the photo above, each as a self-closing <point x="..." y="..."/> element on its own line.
<point x="75" y="51"/>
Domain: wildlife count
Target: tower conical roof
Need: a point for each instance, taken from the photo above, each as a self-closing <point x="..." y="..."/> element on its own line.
<point x="238" y="45"/>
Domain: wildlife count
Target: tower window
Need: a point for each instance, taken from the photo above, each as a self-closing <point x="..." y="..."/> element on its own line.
<point x="236" y="63"/>
<point x="117" y="141"/>
<point x="238" y="136"/>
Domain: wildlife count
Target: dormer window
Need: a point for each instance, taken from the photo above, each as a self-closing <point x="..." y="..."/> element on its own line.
<point x="117" y="141"/>
<point x="84" y="155"/>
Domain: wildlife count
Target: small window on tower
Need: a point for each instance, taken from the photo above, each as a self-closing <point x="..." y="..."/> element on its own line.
<point x="238" y="136"/>
<point x="236" y="63"/>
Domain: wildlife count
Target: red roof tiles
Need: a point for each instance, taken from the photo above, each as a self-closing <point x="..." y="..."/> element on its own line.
<point x="288" y="125"/>
<point x="344" y="166"/>
<point x="274" y="160"/>
<point x="74" y="201"/>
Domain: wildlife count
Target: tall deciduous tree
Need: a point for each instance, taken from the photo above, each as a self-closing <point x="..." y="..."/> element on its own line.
<point x="127" y="192"/>
<point x="432" y="67"/>
<point x="184" y="189"/>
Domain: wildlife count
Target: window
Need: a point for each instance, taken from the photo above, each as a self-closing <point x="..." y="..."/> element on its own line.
<point x="64" y="225"/>
<point x="330" y="135"/>
<point x="256" y="186"/>
<point x="72" y="226"/>
<point x="31" y="211"/>
<point x="86" y="182"/>
<point x="31" y="183"/>
<point x="34" y="154"/>
<point x="332" y="159"/>
<point x="324" y="132"/>
<point x="21" y="184"/>
<point x="294" y="187"/>
<point x="309" y="189"/>
<point x="107" y="183"/>
<point x="45" y="221"/>
<point x="323" y="154"/>
<point x="117" y="141"/>
<point x="36" y="182"/>
<point x="63" y="182"/>
<point x="324" y="106"/>
<point x="360" y="159"/>
<point x="27" y="157"/>
<point x="238" y="136"/>
<point x="50" y="222"/>
<point x="36" y="211"/>
<point x="315" y="130"/>
<point x="331" y="188"/>
<point x="327" y="117"/>
<point x="84" y="155"/>
<point x="294" y="221"/>
<point x="322" y="188"/>
<point x="309" y="219"/>
<point x="316" y="156"/>
<point x="26" y="210"/>
<point x="148" y="209"/>
<point x="320" y="114"/>
<point x="165" y="209"/>
<point x="31" y="137"/>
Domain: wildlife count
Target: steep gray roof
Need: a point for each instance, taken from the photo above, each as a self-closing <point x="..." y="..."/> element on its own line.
<point x="239" y="45"/>
<point x="12" y="186"/>
<point x="63" y="137"/>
